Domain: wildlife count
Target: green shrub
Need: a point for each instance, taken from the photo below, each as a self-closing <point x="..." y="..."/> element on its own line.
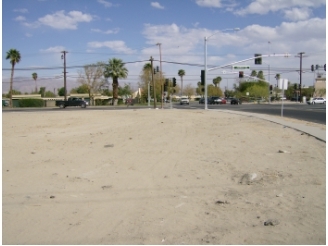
<point x="30" y="102"/>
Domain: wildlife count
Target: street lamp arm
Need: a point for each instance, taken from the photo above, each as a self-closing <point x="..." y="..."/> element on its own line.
<point x="228" y="29"/>
<point x="248" y="59"/>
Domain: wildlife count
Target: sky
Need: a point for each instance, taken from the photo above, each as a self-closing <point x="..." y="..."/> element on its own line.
<point x="170" y="31"/>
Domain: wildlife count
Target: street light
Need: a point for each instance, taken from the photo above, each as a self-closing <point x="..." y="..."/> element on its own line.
<point x="205" y="58"/>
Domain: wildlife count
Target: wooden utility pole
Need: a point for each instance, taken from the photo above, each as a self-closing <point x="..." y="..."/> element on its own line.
<point x="152" y="79"/>
<point x="301" y="56"/>
<point x="161" y="73"/>
<point x="65" y="90"/>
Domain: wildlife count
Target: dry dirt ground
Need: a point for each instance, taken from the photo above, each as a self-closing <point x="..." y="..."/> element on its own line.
<point x="159" y="177"/>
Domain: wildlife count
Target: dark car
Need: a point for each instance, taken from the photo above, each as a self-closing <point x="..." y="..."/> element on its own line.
<point x="235" y="101"/>
<point x="297" y="99"/>
<point x="212" y="100"/>
<point x="202" y="100"/>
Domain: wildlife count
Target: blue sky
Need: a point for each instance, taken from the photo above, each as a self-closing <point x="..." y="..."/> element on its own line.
<point x="98" y="30"/>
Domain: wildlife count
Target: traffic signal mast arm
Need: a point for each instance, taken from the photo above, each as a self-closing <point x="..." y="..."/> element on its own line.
<point x="255" y="57"/>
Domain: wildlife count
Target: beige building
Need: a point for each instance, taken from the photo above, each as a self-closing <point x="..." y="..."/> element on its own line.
<point x="320" y="87"/>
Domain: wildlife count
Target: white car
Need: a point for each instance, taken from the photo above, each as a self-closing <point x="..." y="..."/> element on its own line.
<point x="318" y="100"/>
<point x="184" y="100"/>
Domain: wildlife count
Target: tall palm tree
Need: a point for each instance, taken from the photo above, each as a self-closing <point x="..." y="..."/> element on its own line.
<point x="115" y="69"/>
<point x="254" y="73"/>
<point x="277" y="78"/>
<point x="147" y="70"/>
<point x="35" y="76"/>
<point x="14" y="56"/>
<point x="181" y="73"/>
<point x="217" y="81"/>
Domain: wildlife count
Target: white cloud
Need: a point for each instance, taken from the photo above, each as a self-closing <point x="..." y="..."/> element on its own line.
<point x="105" y="3"/>
<point x="117" y="46"/>
<point x="20" y="18"/>
<point x="209" y="3"/>
<point x="296" y="14"/>
<point x="55" y="49"/>
<point x="60" y="20"/>
<point x="21" y="10"/>
<point x="156" y="5"/>
<point x="265" y="6"/>
<point x="114" y="31"/>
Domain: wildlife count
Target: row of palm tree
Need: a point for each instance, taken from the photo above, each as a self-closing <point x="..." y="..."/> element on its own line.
<point x="114" y="69"/>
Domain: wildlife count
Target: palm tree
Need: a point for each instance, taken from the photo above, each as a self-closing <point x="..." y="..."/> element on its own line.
<point x="35" y="76"/>
<point x="147" y="70"/>
<point x="181" y="73"/>
<point x="217" y="81"/>
<point x="277" y="77"/>
<point x="254" y="73"/>
<point x="14" y="56"/>
<point x="260" y="75"/>
<point x="115" y="69"/>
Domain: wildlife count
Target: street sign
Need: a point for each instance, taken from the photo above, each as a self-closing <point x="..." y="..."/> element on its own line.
<point x="240" y="67"/>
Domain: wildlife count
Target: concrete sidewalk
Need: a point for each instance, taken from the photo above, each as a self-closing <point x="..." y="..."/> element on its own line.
<point x="315" y="131"/>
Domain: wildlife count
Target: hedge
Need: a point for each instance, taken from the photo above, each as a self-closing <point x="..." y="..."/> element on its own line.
<point x="30" y="102"/>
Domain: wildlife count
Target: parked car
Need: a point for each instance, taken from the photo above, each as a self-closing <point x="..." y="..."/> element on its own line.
<point x="202" y="100"/>
<point x="223" y="101"/>
<point x="217" y="101"/>
<point x="235" y="101"/>
<point x="295" y="99"/>
<point x="318" y="100"/>
<point x="213" y="100"/>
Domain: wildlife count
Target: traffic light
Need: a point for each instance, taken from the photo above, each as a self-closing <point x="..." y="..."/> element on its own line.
<point x="202" y="77"/>
<point x="157" y="69"/>
<point x="316" y="67"/>
<point x="174" y="82"/>
<point x="241" y="74"/>
<point x="312" y="68"/>
<point x="165" y="87"/>
<point x="270" y="87"/>
<point x="258" y="61"/>
<point x="154" y="70"/>
<point x="324" y="67"/>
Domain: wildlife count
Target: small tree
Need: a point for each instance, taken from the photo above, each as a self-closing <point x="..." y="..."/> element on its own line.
<point x="91" y="78"/>
<point x="188" y="90"/>
<point x="61" y="92"/>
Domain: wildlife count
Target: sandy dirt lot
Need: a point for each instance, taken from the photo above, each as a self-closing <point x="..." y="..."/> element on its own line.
<point x="159" y="177"/>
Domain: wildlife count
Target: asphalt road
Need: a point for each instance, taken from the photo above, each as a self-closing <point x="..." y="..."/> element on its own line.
<point x="312" y="113"/>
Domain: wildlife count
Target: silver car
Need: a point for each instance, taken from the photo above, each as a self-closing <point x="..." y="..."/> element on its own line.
<point x="318" y="100"/>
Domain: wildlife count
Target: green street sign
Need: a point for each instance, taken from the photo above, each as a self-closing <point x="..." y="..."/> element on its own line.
<point x="240" y="67"/>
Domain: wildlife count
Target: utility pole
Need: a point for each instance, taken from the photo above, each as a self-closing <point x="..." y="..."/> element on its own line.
<point x="152" y="79"/>
<point x="301" y="56"/>
<point x="161" y="74"/>
<point x="64" y="57"/>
